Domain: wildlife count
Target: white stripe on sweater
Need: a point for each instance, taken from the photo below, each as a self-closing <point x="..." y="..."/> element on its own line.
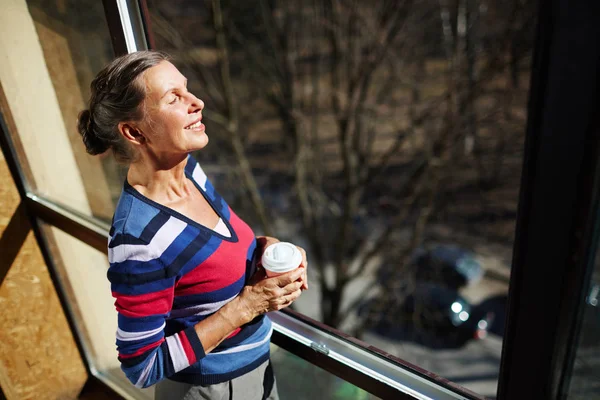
<point x="130" y="336"/>
<point x="180" y="360"/>
<point x="249" y="346"/>
<point x="201" y="309"/>
<point x="199" y="176"/>
<point x="159" y="243"/>
<point x="146" y="372"/>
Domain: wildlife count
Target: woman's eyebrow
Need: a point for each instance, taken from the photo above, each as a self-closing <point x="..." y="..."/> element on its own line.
<point x="174" y="88"/>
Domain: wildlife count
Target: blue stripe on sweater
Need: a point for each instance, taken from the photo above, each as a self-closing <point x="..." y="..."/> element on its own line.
<point x="224" y="363"/>
<point x="161" y="368"/>
<point x="142" y="214"/>
<point x="153" y="226"/>
<point x="204" y="252"/>
<point x="120" y="239"/>
<point x="117" y="271"/>
<point x="193" y="254"/>
<point x="142" y="324"/>
<point x="208" y="297"/>
<point x="190" y="165"/>
<point x="189" y="236"/>
<point x="143" y="288"/>
<point x="209" y="189"/>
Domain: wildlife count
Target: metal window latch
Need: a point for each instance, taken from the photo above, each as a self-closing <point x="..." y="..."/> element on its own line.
<point x="321" y="348"/>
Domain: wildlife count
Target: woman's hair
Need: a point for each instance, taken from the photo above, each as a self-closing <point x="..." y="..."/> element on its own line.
<point x="116" y="96"/>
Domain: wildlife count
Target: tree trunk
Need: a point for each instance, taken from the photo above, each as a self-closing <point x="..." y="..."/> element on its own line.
<point x="233" y="127"/>
<point x="331" y="304"/>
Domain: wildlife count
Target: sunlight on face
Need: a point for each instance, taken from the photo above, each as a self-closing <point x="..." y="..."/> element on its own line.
<point x="172" y="115"/>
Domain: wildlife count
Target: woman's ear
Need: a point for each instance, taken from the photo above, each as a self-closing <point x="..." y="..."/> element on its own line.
<point x="131" y="133"/>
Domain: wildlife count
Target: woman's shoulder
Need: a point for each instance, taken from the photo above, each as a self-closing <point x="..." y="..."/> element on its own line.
<point x="137" y="231"/>
<point x="136" y="243"/>
<point x="132" y="215"/>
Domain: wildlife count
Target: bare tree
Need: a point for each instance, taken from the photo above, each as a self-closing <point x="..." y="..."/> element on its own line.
<point x="220" y="89"/>
<point x="354" y="47"/>
<point x="386" y="105"/>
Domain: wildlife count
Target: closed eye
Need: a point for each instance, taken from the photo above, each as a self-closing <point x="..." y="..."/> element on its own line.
<point x="175" y="98"/>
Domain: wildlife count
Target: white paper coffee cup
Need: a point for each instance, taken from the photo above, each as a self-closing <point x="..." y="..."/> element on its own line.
<point x="280" y="258"/>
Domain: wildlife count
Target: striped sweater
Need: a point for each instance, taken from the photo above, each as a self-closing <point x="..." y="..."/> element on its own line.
<point x="167" y="273"/>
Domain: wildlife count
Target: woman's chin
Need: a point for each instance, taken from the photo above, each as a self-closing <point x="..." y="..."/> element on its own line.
<point x="201" y="142"/>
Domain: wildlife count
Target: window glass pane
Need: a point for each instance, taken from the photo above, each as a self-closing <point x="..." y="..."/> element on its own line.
<point x="299" y="379"/>
<point x="82" y="273"/>
<point x="386" y="138"/>
<point x="584" y="377"/>
<point x="56" y="48"/>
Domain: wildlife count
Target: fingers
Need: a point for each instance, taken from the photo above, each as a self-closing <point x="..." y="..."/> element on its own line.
<point x="303" y="252"/>
<point x="304" y="280"/>
<point x="305" y="265"/>
<point x="292" y="287"/>
<point x="289" y="277"/>
<point x="287" y="300"/>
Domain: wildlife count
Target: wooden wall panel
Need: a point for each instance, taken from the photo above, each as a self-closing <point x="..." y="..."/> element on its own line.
<point x="38" y="356"/>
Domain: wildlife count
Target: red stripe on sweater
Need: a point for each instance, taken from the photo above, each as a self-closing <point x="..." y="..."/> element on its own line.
<point x="143" y="305"/>
<point x="187" y="347"/>
<point x="144" y="349"/>
<point x="232" y="334"/>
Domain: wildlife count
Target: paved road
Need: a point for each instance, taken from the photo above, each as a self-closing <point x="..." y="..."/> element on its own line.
<point x="475" y="366"/>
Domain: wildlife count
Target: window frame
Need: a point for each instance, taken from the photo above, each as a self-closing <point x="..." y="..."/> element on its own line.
<point x="558" y="204"/>
<point x="553" y="233"/>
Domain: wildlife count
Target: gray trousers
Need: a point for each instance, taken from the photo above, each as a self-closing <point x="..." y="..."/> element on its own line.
<point x="250" y="386"/>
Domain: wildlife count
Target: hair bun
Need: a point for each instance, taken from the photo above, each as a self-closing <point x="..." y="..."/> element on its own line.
<point x="85" y="125"/>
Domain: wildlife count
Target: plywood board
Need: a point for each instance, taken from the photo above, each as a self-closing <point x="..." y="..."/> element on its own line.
<point x="38" y="356"/>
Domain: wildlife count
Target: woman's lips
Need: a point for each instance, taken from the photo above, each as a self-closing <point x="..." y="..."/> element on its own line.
<point x="196" y="125"/>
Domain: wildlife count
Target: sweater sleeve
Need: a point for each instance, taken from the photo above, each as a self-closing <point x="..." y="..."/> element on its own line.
<point x="144" y="292"/>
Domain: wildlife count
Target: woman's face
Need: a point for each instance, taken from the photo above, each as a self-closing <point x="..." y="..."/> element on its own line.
<point x="172" y="120"/>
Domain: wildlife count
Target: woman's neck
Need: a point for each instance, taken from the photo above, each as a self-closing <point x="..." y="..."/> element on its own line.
<point x="162" y="183"/>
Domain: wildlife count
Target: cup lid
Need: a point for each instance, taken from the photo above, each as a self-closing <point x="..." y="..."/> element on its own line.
<point x="281" y="257"/>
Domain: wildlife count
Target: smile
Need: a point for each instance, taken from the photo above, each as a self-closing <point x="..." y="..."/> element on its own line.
<point x="195" y="125"/>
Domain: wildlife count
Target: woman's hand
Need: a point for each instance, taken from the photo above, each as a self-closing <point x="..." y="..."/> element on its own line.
<point x="271" y="294"/>
<point x="304" y="266"/>
<point x="262" y="242"/>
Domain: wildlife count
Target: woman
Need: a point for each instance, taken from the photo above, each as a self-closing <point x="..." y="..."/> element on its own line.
<point x="190" y="302"/>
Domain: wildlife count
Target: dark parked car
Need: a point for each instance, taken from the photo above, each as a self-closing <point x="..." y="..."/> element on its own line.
<point x="431" y="315"/>
<point x="447" y="265"/>
<point x="496" y="306"/>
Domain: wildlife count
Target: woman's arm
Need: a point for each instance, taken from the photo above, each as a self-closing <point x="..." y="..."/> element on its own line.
<point x="147" y="355"/>
<point x="269" y="294"/>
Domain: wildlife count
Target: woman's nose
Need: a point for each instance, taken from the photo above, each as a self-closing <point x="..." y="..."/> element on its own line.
<point x="195" y="103"/>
